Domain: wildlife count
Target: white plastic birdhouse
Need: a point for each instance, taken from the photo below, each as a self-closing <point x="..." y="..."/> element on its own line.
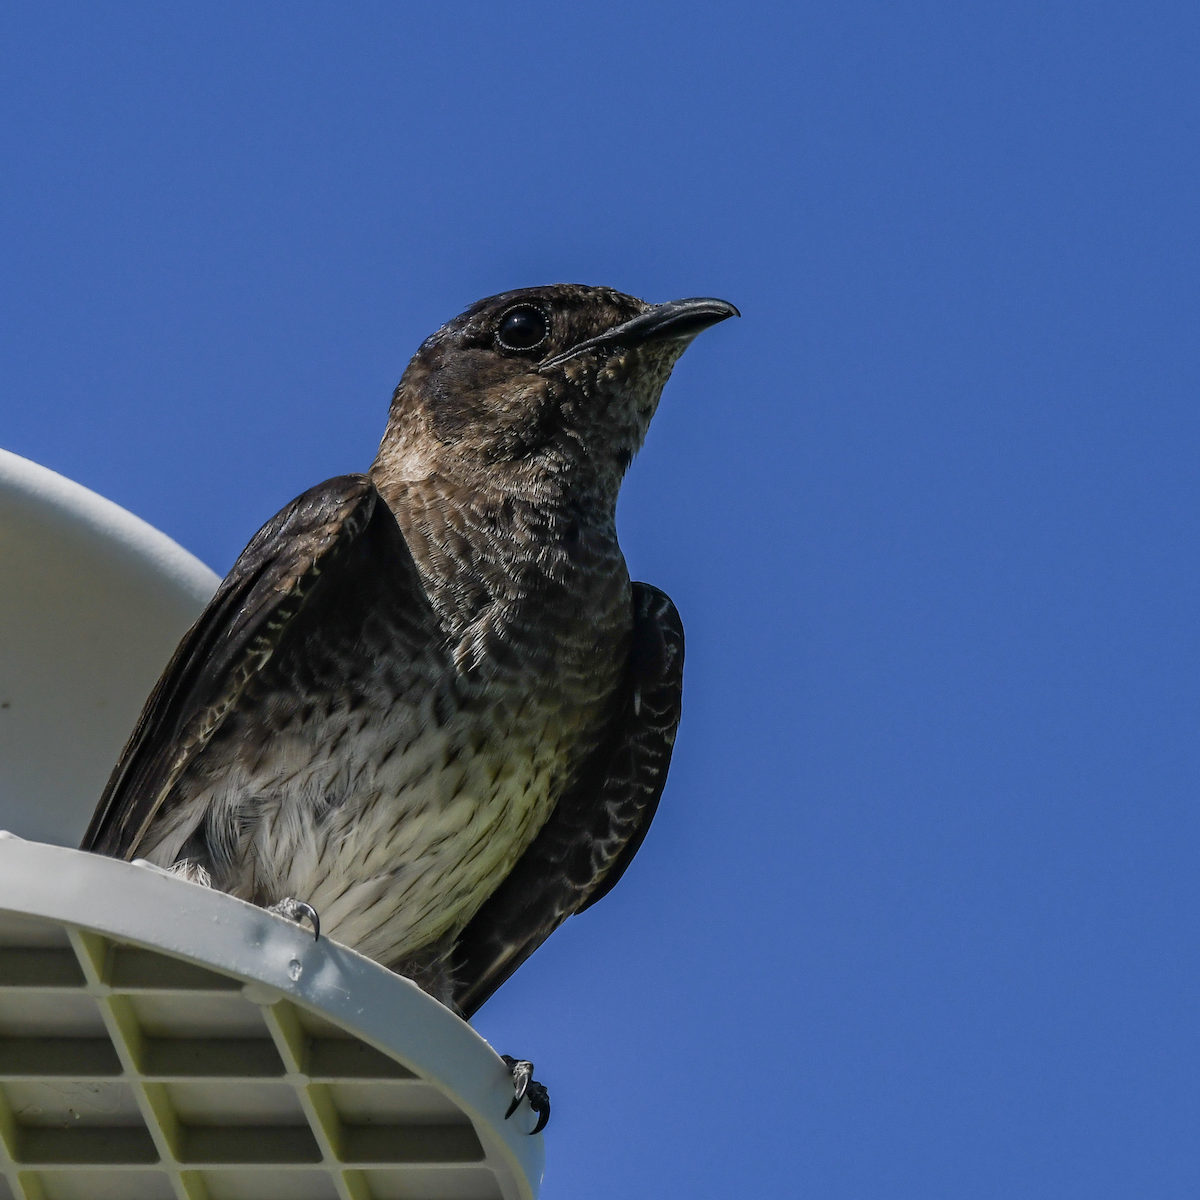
<point x="159" y="1039"/>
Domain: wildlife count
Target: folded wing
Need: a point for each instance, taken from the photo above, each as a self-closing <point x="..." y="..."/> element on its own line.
<point x="317" y="570"/>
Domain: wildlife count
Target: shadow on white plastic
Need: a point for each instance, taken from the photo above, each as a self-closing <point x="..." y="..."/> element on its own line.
<point x="92" y="603"/>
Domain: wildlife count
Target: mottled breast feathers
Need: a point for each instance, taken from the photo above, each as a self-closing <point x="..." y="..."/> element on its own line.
<point x="598" y="824"/>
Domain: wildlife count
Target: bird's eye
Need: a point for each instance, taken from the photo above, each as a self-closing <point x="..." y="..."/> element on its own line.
<point x="522" y="328"/>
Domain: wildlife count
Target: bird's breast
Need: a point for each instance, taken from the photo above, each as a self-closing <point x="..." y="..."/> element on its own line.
<point x="432" y="818"/>
<point x="393" y="786"/>
<point x="396" y="810"/>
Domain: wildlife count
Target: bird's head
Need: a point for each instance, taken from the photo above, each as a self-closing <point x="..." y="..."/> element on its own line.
<point x="539" y="390"/>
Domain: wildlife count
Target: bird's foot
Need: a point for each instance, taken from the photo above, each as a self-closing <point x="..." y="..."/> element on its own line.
<point x="298" y="911"/>
<point x="525" y="1087"/>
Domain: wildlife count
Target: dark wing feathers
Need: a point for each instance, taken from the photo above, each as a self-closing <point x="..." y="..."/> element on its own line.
<point x="231" y="641"/>
<point x="598" y="824"/>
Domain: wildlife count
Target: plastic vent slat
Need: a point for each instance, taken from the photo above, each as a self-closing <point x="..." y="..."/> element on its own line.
<point x="206" y="1087"/>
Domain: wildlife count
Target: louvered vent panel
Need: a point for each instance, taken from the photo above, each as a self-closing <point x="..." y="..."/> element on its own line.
<point x="137" y="1075"/>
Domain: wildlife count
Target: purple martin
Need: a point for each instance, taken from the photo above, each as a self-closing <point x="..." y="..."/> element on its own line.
<point x="428" y="703"/>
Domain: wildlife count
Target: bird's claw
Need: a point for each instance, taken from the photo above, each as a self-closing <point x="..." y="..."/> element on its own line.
<point x="525" y="1087"/>
<point x="298" y="911"/>
<point x="539" y="1101"/>
<point x="522" y="1073"/>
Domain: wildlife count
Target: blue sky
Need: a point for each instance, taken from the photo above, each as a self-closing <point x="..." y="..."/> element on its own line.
<point x="919" y="914"/>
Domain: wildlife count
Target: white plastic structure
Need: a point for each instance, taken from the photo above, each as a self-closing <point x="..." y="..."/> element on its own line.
<point x="92" y="602"/>
<point x="158" y="1039"/>
<point x="161" y="1040"/>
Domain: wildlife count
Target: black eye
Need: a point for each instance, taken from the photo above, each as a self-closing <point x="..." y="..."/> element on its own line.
<point x="522" y="328"/>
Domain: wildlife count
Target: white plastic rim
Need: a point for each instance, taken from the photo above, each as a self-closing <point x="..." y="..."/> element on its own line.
<point x="78" y="906"/>
<point x="92" y="603"/>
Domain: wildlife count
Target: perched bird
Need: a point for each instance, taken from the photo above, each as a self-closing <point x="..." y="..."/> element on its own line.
<point x="427" y="707"/>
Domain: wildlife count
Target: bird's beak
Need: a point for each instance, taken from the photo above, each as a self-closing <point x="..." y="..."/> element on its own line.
<point x="675" y="321"/>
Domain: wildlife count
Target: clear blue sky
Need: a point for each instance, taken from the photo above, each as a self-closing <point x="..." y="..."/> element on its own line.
<point x="919" y="914"/>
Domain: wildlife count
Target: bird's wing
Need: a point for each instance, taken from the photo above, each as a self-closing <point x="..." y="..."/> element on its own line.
<point x="597" y="825"/>
<point x="334" y="547"/>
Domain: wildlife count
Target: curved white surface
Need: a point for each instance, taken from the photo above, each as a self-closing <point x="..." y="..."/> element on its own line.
<point x="92" y="603"/>
<point x="64" y="905"/>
